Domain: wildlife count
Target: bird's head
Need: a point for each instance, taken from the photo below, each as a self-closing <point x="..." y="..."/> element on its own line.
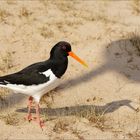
<point x="63" y="49"/>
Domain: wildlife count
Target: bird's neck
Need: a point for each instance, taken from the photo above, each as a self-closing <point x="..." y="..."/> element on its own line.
<point x="59" y="66"/>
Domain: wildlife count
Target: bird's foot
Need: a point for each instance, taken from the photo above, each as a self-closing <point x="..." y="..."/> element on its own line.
<point x="28" y="117"/>
<point x="39" y="121"/>
<point x="41" y="124"/>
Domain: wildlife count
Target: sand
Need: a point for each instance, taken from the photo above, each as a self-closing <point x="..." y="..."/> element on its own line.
<point x="99" y="102"/>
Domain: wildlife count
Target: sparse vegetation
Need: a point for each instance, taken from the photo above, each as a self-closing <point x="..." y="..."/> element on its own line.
<point x="3" y="15"/>
<point x="25" y="13"/>
<point x="10" y="119"/>
<point x="46" y="32"/>
<point x="3" y="93"/>
<point x="95" y="116"/>
<point x="77" y="134"/>
<point x="136" y="7"/>
<point x="31" y="28"/>
<point x="135" y="40"/>
<point x="6" y="64"/>
<point x="61" y="125"/>
<point x="134" y="135"/>
<point x="48" y="98"/>
<point x="65" y="6"/>
<point x="6" y="61"/>
<point x="11" y="2"/>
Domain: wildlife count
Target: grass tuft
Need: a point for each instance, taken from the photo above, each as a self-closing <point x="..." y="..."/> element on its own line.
<point x="95" y="116"/>
<point x="46" y="32"/>
<point x="134" y="135"/>
<point x="6" y="62"/>
<point x="65" y="6"/>
<point x="136" y="7"/>
<point x="3" y="93"/>
<point x="10" y="119"/>
<point x="135" y="40"/>
<point x="25" y="13"/>
<point x="61" y="125"/>
<point x="77" y="134"/>
<point x="3" y="15"/>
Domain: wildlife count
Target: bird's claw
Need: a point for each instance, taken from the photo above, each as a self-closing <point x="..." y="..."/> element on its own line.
<point x="28" y="117"/>
<point x="40" y="122"/>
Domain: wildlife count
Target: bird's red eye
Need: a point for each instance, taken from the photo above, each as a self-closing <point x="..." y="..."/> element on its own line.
<point x="64" y="47"/>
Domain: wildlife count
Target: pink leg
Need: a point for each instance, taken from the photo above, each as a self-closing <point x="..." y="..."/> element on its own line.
<point x="41" y="122"/>
<point x="29" y="116"/>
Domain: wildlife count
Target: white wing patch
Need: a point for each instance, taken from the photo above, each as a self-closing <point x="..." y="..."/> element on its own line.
<point x="48" y="73"/>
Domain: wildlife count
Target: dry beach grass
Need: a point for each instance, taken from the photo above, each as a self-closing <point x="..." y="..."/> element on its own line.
<point x="101" y="102"/>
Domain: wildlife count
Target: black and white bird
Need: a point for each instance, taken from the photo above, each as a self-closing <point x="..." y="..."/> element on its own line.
<point x="39" y="78"/>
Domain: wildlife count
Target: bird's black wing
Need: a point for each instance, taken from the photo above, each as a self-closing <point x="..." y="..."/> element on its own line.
<point x="30" y="75"/>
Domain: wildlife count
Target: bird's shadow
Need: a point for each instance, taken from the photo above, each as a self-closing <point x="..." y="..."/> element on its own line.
<point x="83" y="109"/>
<point x="11" y="100"/>
<point x="121" y="56"/>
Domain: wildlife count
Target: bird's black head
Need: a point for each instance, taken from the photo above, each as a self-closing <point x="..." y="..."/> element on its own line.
<point x="63" y="49"/>
<point x="60" y="49"/>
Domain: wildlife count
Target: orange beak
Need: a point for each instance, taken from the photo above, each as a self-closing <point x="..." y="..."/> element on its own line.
<point x="77" y="58"/>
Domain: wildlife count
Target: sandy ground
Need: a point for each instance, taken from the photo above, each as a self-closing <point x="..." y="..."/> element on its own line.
<point x="101" y="102"/>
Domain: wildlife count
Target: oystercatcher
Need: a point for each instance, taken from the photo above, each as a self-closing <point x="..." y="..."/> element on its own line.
<point x="39" y="78"/>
